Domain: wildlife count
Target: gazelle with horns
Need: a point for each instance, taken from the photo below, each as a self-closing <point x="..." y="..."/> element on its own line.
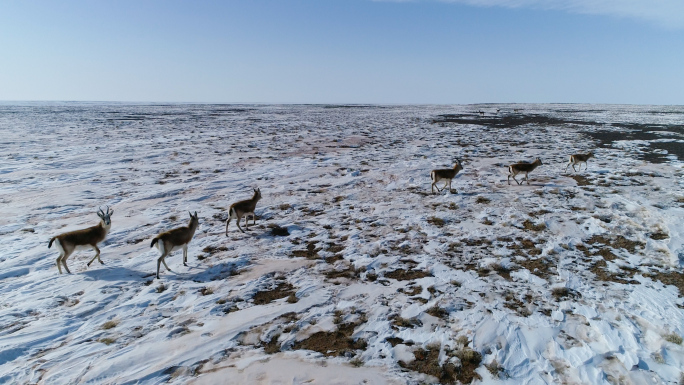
<point x="175" y="239"/>
<point x="445" y="174"/>
<point x="243" y="208"/>
<point x="69" y="242"/>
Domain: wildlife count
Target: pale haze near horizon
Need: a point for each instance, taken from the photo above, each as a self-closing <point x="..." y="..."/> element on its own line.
<point x="327" y="51"/>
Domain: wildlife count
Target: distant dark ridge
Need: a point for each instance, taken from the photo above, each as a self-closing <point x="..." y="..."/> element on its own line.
<point x="610" y="133"/>
<point x="509" y="121"/>
<point x="350" y="106"/>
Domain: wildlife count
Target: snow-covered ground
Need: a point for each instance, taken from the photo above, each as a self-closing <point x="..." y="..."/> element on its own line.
<point x="572" y="279"/>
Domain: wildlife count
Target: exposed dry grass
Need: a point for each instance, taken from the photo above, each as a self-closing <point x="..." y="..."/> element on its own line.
<point x="283" y="290"/>
<point x="674" y="338"/>
<point x="109" y="324"/>
<point x="107" y="340"/>
<point x="528" y="225"/>
<point x="311" y="251"/>
<point x="406" y="275"/>
<point x="427" y="361"/>
<point x="331" y="344"/>
<point x="439" y="222"/>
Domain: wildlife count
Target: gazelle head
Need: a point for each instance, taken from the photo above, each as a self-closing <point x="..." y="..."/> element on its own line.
<point x="105" y="216"/>
<point x="193" y="218"/>
<point x="257" y="194"/>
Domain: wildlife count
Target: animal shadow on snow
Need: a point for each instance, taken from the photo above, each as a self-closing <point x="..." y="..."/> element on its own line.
<point x="115" y="273"/>
<point x="219" y="271"/>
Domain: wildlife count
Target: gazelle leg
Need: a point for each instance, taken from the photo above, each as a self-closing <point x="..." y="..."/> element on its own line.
<point x="97" y="255"/>
<point x="238" y="224"/>
<point x="527" y="178"/>
<point x="228" y="222"/>
<point x="185" y="255"/>
<point x="159" y="262"/>
<point x="64" y="258"/>
<point x="164" y="262"/>
<point x="59" y="262"/>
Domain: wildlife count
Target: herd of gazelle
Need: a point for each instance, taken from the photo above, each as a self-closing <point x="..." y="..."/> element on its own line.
<point x="180" y="237"/>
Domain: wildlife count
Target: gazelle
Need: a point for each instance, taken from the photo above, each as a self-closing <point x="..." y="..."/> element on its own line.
<point x="518" y="168"/>
<point x="243" y="208"/>
<point x="579" y="159"/>
<point x="67" y="243"/>
<point x="446" y="174"/>
<point x="175" y="239"/>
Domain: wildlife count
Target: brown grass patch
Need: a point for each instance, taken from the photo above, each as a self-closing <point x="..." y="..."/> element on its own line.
<point x="438" y="312"/>
<point x="439" y="222"/>
<point x="659" y="236"/>
<point x="332" y="344"/>
<point x="283" y="290"/>
<point x="109" y="324"/>
<point x="399" y="322"/>
<point x="516" y="305"/>
<point x="529" y="247"/>
<point x="272" y="346"/>
<point x="427" y="361"/>
<point x="482" y="200"/>
<point x="503" y="271"/>
<point x="406" y="275"/>
<point x="214" y="249"/>
<point x="561" y="293"/>
<point x="540" y="267"/>
<point x="107" y="340"/>
<point x="394" y="341"/>
<point x="412" y="290"/>
<point x="674" y="338"/>
<point x="311" y="251"/>
<point x="673" y="278"/>
<point x="206" y="291"/>
<point x="617" y="242"/>
<point x="599" y="269"/>
<point x="581" y="180"/>
<point x="528" y="225"/>
<point x="349" y="272"/>
<point x="538" y="213"/>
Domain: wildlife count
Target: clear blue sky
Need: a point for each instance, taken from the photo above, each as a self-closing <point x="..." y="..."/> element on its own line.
<point x="344" y="51"/>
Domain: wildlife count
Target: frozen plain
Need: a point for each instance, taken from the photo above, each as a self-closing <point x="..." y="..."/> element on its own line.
<point x="574" y="279"/>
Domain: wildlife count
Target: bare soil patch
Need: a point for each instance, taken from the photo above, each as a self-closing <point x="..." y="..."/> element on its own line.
<point x="331" y="344"/>
<point x="311" y="251"/>
<point x="406" y="275"/>
<point x="283" y="290"/>
<point x="674" y="278"/>
<point x="581" y="180"/>
<point x="427" y="361"/>
<point x="616" y="242"/>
